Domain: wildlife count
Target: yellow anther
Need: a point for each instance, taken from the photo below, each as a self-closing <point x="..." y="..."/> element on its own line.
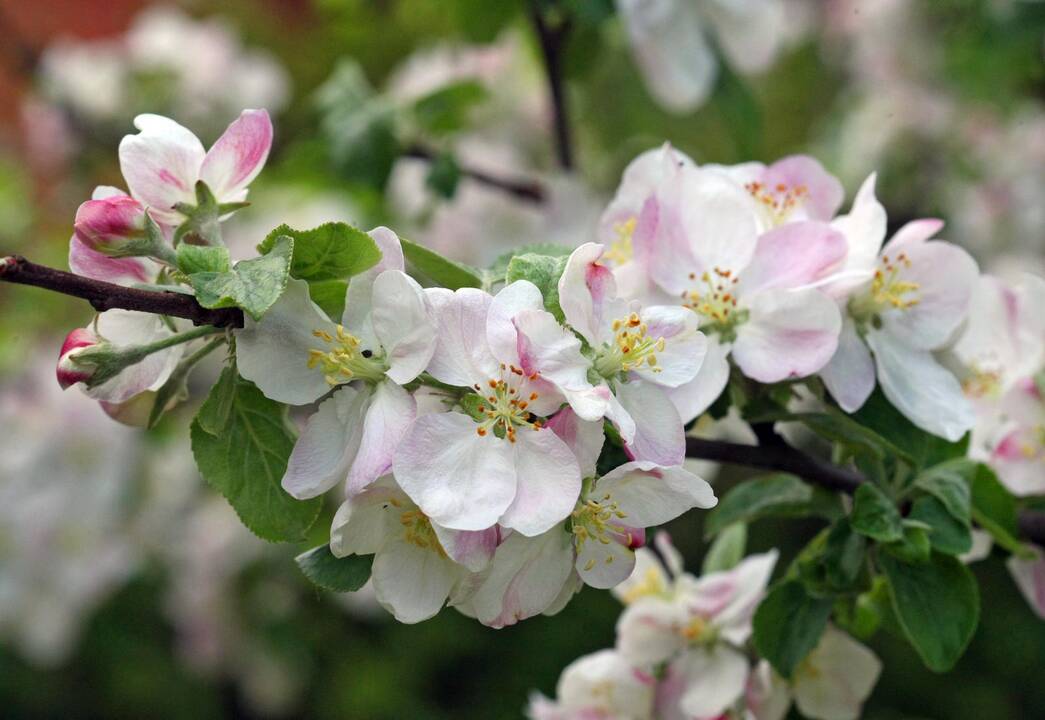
<point x="713" y="296"/>
<point x="621" y="250"/>
<point x="344" y="361"/>
<point x="888" y="288"/>
<point x="504" y="410"/>
<point x="418" y="531"/>
<point x="776" y="203"/>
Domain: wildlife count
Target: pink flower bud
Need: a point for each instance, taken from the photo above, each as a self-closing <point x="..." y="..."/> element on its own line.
<point x="111" y="224"/>
<point x="68" y="371"/>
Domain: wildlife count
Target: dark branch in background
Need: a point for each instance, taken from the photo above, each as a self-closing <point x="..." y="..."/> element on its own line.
<point x="552" y="36"/>
<point x="109" y="296"/>
<point x="778" y="455"/>
<point x="529" y="190"/>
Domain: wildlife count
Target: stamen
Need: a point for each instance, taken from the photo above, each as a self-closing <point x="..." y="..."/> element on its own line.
<point x="344" y="361"/>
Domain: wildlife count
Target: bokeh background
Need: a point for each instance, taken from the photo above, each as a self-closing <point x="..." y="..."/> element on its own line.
<point x="128" y="589"/>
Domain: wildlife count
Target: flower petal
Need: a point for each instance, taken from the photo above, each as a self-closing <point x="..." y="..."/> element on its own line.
<point x="605" y="565"/>
<point x="549" y="483"/>
<point x="659" y="436"/>
<point x="716" y="678"/>
<point x="462" y="356"/>
<point x="651" y="495"/>
<point x="824" y="193"/>
<point x="648" y="630"/>
<point x="584" y="438"/>
<point x="849" y="376"/>
<point x="792" y="255"/>
<point x="473" y="549"/>
<point x="161" y="165"/>
<point x="123" y="271"/>
<point x="1029" y="574"/>
<point x="365" y="521"/>
<point x="836" y="679"/>
<point x="124" y="328"/>
<point x="684" y="345"/>
<point x="238" y="156"/>
<point x="327" y="447"/>
<point x="500" y="329"/>
<point x="412" y="582"/>
<point x="403" y="324"/>
<point x="584" y="288"/>
<point x="693" y="398"/>
<point x="385" y="421"/>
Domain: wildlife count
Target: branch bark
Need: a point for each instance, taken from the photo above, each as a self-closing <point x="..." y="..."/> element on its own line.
<point x="528" y="190"/>
<point x="108" y="296"/>
<point x="552" y="37"/>
<point x="780" y="456"/>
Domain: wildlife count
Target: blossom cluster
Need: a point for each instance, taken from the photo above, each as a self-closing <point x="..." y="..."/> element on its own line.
<point x="681" y="653"/>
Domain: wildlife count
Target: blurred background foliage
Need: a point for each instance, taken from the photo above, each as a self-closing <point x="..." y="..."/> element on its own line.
<point x="943" y="97"/>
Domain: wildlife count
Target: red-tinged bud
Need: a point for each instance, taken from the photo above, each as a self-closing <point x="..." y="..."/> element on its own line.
<point x="69" y="371"/>
<point x="113" y="226"/>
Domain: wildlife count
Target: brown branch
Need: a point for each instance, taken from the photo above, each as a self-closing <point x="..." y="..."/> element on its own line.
<point x="552" y="37"/>
<point x="778" y="455"/>
<point x="109" y="296"/>
<point x="529" y="190"/>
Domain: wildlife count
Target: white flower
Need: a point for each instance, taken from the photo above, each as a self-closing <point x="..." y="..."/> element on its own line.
<point x="600" y="686"/>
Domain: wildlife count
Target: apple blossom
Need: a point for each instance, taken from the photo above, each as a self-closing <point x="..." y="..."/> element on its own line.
<point x="109" y="217"/>
<point x="600" y="686"/>
<point x="296" y="355"/>
<point x="835" y="679"/>
<point x="908" y="302"/>
<point x="1029" y="574"/>
<point x="417" y="563"/>
<point x="1017" y="454"/>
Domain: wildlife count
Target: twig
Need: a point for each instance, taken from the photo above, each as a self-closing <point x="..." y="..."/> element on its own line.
<point x="782" y="457"/>
<point x="552" y="37"/>
<point x="109" y="296"/>
<point x="529" y="190"/>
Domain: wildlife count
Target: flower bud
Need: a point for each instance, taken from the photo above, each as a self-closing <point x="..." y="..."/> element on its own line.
<point x="69" y="371"/>
<point x="114" y="225"/>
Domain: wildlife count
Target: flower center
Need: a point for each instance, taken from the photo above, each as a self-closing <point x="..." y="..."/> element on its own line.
<point x="620" y="251"/>
<point x="889" y="289"/>
<point x="982" y="381"/>
<point x="592" y="520"/>
<point x="344" y="361"/>
<point x="632" y="348"/>
<point x="777" y="202"/>
<point x="418" y="531"/>
<point x="652" y="583"/>
<point x="714" y="298"/>
<point x="505" y="404"/>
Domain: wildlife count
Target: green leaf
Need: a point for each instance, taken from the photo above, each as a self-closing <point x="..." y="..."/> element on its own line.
<point x="914" y="546"/>
<point x="202" y="258"/>
<point x="332" y="251"/>
<point x="346" y="574"/>
<point x="440" y="270"/>
<point x="202" y="224"/>
<point x="947" y="483"/>
<point x="875" y="515"/>
<point x="844" y="553"/>
<point x="246" y="458"/>
<point x="443" y="176"/>
<point x="925" y="449"/>
<point x="994" y="508"/>
<point x="947" y="534"/>
<point x="446" y="110"/>
<point x="543" y="271"/>
<point x="727" y="550"/>
<point x="788" y="625"/>
<point x="779" y="494"/>
<point x="253" y="285"/>
<point x="500" y="265"/>
<point x="330" y="296"/>
<point x="937" y="604"/>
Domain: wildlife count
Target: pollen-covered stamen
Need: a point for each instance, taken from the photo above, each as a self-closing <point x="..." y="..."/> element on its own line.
<point x="345" y="360"/>
<point x="632" y="349"/>
<point x="714" y="296"/>
<point x="778" y="201"/>
<point x="621" y="251"/>
<point x="889" y="289"/>
<point x="982" y="381"/>
<point x="595" y="520"/>
<point x="418" y="531"/>
<point x="506" y="404"/>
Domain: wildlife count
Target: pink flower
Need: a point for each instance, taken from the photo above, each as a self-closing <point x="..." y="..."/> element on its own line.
<point x="109" y="224"/>
<point x="68" y="371"/>
<point x="1018" y="455"/>
<point x="164" y="161"/>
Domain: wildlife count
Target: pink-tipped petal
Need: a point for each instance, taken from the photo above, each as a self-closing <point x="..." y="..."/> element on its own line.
<point x="122" y="271"/>
<point x="109" y="224"/>
<point x="792" y="255"/>
<point x="68" y="372"/>
<point x="238" y="156"/>
<point x="823" y="193"/>
<point x="161" y="165"/>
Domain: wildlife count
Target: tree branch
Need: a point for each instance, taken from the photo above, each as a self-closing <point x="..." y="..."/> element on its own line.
<point x="782" y="457"/>
<point x="109" y="296"/>
<point x="552" y="37"/>
<point x="529" y="190"/>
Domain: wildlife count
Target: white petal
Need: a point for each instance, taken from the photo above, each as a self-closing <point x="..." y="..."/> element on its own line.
<point x="385" y="422"/>
<point x="584" y="288"/>
<point x="161" y="165"/>
<point x="403" y="324"/>
<point x="125" y="328"/>
<point x="462" y="356"/>
<point x="849" y="376"/>
<point x="659" y="436"/>
<point x="716" y="678"/>
<point x="327" y="447"/>
<point x="648" y="631"/>
<point x="605" y="685"/>
<point x="473" y="549"/>
<point x="356" y="316"/>
<point x="919" y="387"/>
<point x="789" y="334"/>
<point x="651" y="495"/>
<point x="836" y="678"/>
<point x="411" y="581"/>
<point x="684" y="345"/>
<point x="273" y="353"/>
<point x="751" y="33"/>
<point x="525" y="577"/>
<point x="500" y="327"/>
<point x="363" y="523"/>
<point x="696" y="396"/>
<point x="604" y="565"/>
<point x="459" y="479"/>
<point x="237" y="156"/>
<point x="549" y="483"/>
<point x="1029" y="574"/>
<point x="584" y="438"/>
<point x="730" y="598"/>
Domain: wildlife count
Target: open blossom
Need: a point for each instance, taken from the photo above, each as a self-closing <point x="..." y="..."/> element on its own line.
<point x="296" y="355"/>
<point x="746" y="273"/>
<point x="164" y="161"/>
<point x="417" y="563"/>
<point x="493" y="460"/>
<point x="836" y="678"/>
<point x="600" y="686"/>
<point x="908" y="301"/>
<point x="1018" y="451"/>
<point x="641" y="354"/>
<point x="671" y="47"/>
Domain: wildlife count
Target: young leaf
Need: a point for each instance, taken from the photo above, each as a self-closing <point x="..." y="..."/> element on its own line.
<point x="762" y="496"/>
<point x="543" y="271"/>
<point x="946" y="534"/>
<point x="844" y="553"/>
<point x="446" y="110"/>
<point x="875" y="515"/>
<point x="253" y="285"/>
<point x="914" y="547"/>
<point x="727" y="550"/>
<point x="948" y="484"/>
<point x="213" y="416"/>
<point x="788" y="625"/>
<point x="937" y="604"/>
<point x="246" y="459"/>
<point x="346" y="574"/>
<point x="925" y="449"/>
<point x="330" y="296"/>
<point x="202" y="258"/>
<point x="332" y="251"/>
<point x="500" y="265"/>
<point x="443" y="176"/>
<point x="443" y="271"/>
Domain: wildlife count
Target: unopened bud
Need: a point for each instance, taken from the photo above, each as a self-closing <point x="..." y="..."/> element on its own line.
<point x="114" y="226"/>
<point x="71" y="371"/>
